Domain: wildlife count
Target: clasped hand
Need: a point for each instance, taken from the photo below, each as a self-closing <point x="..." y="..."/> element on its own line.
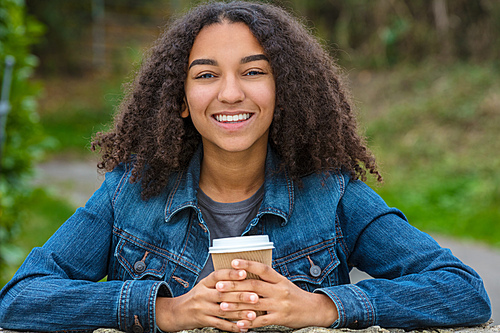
<point x="228" y="301"/>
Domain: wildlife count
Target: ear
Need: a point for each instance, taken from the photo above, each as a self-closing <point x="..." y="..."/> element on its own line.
<point x="185" y="112"/>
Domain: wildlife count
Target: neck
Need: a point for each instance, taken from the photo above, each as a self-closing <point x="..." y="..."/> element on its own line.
<point x="232" y="177"/>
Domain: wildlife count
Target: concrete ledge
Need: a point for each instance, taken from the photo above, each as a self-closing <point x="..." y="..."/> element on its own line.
<point x="489" y="327"/>
<point x="486" y="328"/>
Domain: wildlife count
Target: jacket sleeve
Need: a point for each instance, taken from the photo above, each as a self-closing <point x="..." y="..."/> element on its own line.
<point x="416" y="282"/>
<point x="57" y="286"/>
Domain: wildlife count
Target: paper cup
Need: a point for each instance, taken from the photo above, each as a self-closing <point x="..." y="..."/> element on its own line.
<point x="254" y="248"/>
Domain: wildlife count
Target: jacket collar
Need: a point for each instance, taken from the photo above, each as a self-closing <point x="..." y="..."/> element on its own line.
<point x="278" y="196"/>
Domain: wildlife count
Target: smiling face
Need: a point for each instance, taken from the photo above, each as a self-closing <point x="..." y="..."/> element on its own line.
<point x="230" y="89"/>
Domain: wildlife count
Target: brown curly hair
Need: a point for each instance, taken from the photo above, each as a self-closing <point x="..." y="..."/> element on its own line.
<point x="313" y="129"/>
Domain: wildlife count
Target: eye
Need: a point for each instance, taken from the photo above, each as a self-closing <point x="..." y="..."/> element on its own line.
<point x="205" y="76"/>
<point x="254" y="72"/>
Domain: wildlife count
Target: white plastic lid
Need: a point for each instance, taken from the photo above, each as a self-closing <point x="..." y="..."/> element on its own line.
<point x="240" y="244"/>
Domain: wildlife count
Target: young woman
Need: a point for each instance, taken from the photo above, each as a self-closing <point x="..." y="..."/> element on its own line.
<point x="237" y="124"/>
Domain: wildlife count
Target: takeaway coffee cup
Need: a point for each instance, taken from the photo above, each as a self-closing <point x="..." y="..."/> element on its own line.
<point x="254" y="248"/>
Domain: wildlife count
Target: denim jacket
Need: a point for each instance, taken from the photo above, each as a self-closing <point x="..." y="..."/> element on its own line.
<point x="158" y="247"/>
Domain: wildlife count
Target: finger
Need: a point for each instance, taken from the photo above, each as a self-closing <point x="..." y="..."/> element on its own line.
<point x="266" y="302"/>
<point x="226" y="295"/>
<point x="262" y="305"/>
<point x="223" y="324"/>
<point x="225" y="311"/>
<point x="245" y="285"/>
<point x="259" y="287"/>
<point x="265" y="272"/>
<point x="243" y="325"/>
<point x="260" y="321"/>
<point x="223" y="274"/>
<point x="236" y="302"/>
<point x="236" y="315"/>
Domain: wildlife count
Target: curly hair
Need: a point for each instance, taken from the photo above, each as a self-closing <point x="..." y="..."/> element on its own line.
<point x="313" y="129"/>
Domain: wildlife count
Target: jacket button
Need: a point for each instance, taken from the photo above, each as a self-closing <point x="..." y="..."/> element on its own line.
<point x="137" y="328"/>
<point x="139" y="267"/>
<point x="315" y="271"/>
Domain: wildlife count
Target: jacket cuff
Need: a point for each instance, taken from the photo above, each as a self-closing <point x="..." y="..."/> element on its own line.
<point x="137" y="305"/>
<point x="353" y="306"/>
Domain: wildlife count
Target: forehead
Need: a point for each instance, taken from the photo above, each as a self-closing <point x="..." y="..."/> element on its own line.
<point x="225" y="39"/>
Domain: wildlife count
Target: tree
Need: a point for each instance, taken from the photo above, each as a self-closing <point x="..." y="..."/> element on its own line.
<point x="23" y="134"/>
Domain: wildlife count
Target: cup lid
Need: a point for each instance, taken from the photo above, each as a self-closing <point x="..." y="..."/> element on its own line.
<point x="239" y="244"/>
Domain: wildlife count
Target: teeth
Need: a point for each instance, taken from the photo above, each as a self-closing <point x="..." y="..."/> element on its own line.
<point x="233" y="118"/>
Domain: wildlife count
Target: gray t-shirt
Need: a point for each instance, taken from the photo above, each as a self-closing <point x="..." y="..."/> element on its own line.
<point x="227" y="219"/>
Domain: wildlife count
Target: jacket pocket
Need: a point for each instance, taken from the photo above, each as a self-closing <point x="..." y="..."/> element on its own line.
<point x="312" y="267"/>
<point x="137" y="262"/>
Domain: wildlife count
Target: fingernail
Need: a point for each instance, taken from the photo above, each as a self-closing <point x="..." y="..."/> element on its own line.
<point x="251" y="315"/>
<point x="236" y="262"/>
<point x="220" y="285"/>
<point x="224" y="306"/>
<point x="240" y="324"/>
<point x="241" y="273"/>
<point x="253" y="298"/>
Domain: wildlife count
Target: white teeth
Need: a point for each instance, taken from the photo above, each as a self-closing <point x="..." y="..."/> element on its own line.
<point x="232" y="118"/>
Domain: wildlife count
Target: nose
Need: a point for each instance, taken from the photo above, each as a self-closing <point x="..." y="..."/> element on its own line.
<point x="231" y="90"/>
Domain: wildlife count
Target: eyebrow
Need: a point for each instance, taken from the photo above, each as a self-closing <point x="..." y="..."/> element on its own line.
<point x="244" y="60"/>
<point x="203" y="62"/>
<point x="254" y="57"/>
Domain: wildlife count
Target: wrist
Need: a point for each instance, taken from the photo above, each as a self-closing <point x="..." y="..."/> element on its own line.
<point x="327" y="312"/>
<point x="165" y="314"/>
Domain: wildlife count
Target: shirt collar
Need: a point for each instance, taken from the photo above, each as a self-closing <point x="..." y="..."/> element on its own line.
<point x="278" y="196"/>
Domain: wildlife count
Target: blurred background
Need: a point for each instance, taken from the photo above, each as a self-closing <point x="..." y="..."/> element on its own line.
<point x="425" y="77"/>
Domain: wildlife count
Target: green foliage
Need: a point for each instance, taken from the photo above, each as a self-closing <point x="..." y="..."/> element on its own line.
<point x="381" y="33"/>
<point x="42" y="214"/>
<point x="74" y="130"/>
<point x="435" y="130"/>
<point x="66" y="48"/>
<point x="374" y="33"/>
<point x="83" y="108"/>
<point x="24" y="136"/>
<point x="67" y="23"/>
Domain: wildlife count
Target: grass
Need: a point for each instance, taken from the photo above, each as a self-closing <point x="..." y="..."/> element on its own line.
<point x="73" y="110"/>
<point x="435" y="130"/>
<point x="44" y="212"/>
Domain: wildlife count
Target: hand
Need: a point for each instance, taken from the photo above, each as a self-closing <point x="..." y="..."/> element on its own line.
<point x="285" y="303"/>
<point x="200" y="306"/>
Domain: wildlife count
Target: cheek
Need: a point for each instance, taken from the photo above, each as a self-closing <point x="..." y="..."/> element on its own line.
<point x="268" y="100"/>
<point x="266" y="96"/>
<point x="197" y="99"/>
